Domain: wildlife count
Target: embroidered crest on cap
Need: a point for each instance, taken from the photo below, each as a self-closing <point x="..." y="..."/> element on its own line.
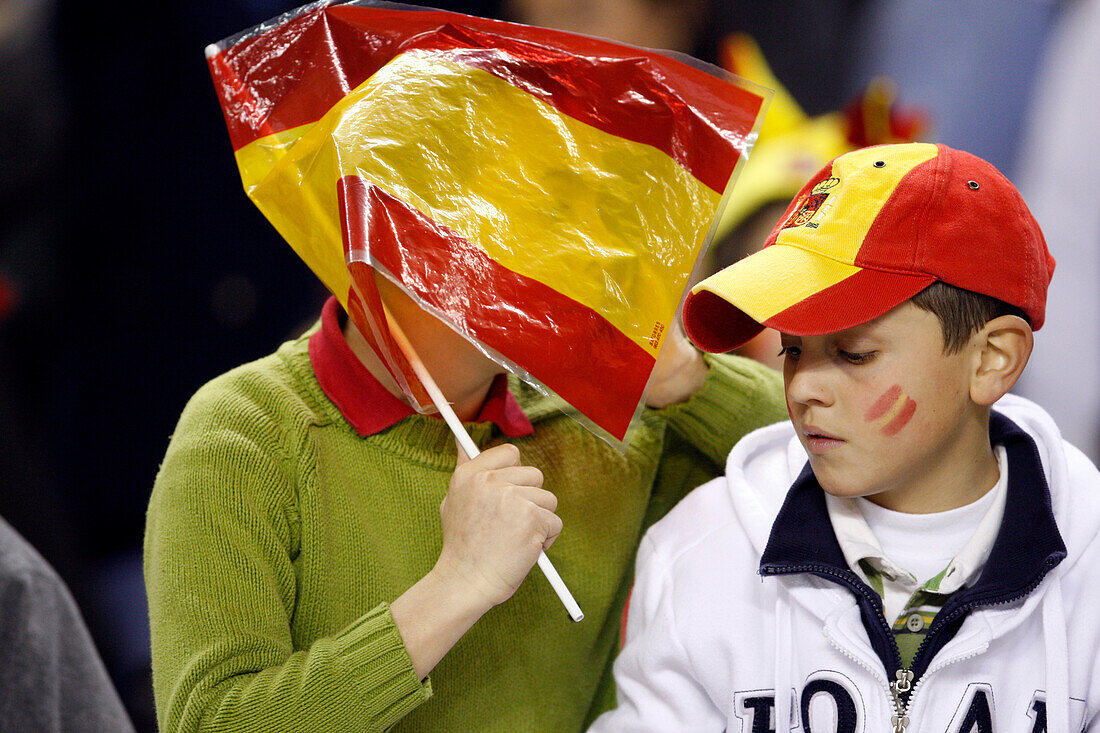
<point x="812" y="204"/>
<point x="806" y="211"/>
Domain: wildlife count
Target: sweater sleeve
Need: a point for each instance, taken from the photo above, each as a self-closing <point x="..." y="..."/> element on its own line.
<point x="221" y="540"/>
<point x="739" y="396"/>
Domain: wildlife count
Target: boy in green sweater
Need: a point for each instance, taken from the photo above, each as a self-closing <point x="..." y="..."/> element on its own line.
<point x="315" y="548"/>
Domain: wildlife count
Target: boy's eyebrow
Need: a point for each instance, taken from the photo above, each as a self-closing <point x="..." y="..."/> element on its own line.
<point x="870" y="329"/>
<point x="864" y="331"/>
<point x="861" y="334"/>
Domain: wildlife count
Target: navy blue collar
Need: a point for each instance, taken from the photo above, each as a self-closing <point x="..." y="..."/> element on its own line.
<point x="1028" y="543"/>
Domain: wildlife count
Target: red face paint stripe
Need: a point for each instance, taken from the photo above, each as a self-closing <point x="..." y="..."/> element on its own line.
<point x="883" y="404"/>
<point x="901" y="419"/>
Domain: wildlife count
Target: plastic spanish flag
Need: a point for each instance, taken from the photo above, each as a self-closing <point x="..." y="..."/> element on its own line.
<point x="546" y="194"/>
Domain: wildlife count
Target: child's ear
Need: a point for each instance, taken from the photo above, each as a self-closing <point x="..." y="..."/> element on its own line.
<point x="1001" y="349"/>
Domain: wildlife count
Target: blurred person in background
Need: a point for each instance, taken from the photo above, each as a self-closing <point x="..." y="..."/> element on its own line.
<point x="1059" y="174"/>
<point x="971" y="61"/>
<point x="671" y="25"/>
<point x="31" y="133"/>
<point x="52" y="679"/>
<point x="808" y="43"/>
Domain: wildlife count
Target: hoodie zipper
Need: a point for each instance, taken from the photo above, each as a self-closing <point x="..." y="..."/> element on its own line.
<point x="905" y="682"/>
<point x="899" y="687"/>
<point x="903" y="687"/>
<point x="892" y="688"/>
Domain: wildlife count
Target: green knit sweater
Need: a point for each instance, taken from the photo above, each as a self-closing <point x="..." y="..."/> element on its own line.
<point x="277" y="536"/>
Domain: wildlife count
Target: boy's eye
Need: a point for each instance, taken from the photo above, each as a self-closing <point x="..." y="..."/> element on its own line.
<point x="854" y="357"/>
<point x="791" y="352"/>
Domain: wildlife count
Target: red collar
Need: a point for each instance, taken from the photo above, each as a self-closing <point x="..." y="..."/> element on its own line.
<point x="369" y="406"/>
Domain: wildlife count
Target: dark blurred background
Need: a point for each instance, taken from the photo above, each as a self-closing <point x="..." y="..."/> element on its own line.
<point x="133" y="268"/>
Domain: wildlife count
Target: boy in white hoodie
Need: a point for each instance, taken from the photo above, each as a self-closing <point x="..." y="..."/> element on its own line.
<point x="933" y="566"/>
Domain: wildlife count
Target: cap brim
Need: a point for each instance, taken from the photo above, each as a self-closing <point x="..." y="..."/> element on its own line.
<point x="794" y="291"/>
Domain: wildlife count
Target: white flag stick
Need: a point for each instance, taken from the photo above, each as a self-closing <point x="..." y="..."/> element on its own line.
<point x="470" y="447"/>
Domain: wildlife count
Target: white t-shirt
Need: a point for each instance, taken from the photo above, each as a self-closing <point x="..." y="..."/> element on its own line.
<point x="911" y="549"/>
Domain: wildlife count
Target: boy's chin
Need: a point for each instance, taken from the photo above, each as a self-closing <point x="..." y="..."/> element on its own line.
<point x="842" y="489"/>
<point x="845" y="492"/>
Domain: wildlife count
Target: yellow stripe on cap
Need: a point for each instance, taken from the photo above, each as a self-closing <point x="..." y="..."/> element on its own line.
<point x="841" y="223"/>
<point x="613" y="224"/>
<point x="820" y="253"/>
<point x="774" y="279"/>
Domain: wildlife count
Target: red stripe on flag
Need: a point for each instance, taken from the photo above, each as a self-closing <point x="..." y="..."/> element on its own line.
<point x="363" y="276"/>
<point x="294" y="73"/>
<point x="565" y="345"/>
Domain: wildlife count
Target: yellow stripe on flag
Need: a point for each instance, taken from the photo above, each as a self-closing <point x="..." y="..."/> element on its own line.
<point x="545" y="195"/>
<point x="257" y="160"/>
<point x="303" y="209"/>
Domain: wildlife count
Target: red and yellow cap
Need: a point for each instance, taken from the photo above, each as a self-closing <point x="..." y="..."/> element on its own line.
<point x="872" y="229"/>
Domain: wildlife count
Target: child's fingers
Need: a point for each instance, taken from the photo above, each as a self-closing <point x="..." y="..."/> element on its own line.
<point x="499" y="456"/>
<point x="518" y="476"/>
<point x="553" y="526"/>
<point x="539" y="497"/>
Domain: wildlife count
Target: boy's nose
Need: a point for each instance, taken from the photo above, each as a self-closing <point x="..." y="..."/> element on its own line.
<point x="807" y="383"/>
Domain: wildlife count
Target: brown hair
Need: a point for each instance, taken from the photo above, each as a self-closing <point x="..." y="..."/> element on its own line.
<point x="962" y="313"/>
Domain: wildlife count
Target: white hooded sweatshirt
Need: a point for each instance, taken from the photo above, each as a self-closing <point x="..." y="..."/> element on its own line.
<point x="742" y="590"/>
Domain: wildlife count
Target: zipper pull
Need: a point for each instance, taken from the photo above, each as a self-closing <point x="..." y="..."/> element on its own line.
<point x="898" y="687"/>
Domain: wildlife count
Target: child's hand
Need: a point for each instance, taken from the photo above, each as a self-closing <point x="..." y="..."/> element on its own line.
<point x="497" y="518"/>
<point x="679" y="373"/>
